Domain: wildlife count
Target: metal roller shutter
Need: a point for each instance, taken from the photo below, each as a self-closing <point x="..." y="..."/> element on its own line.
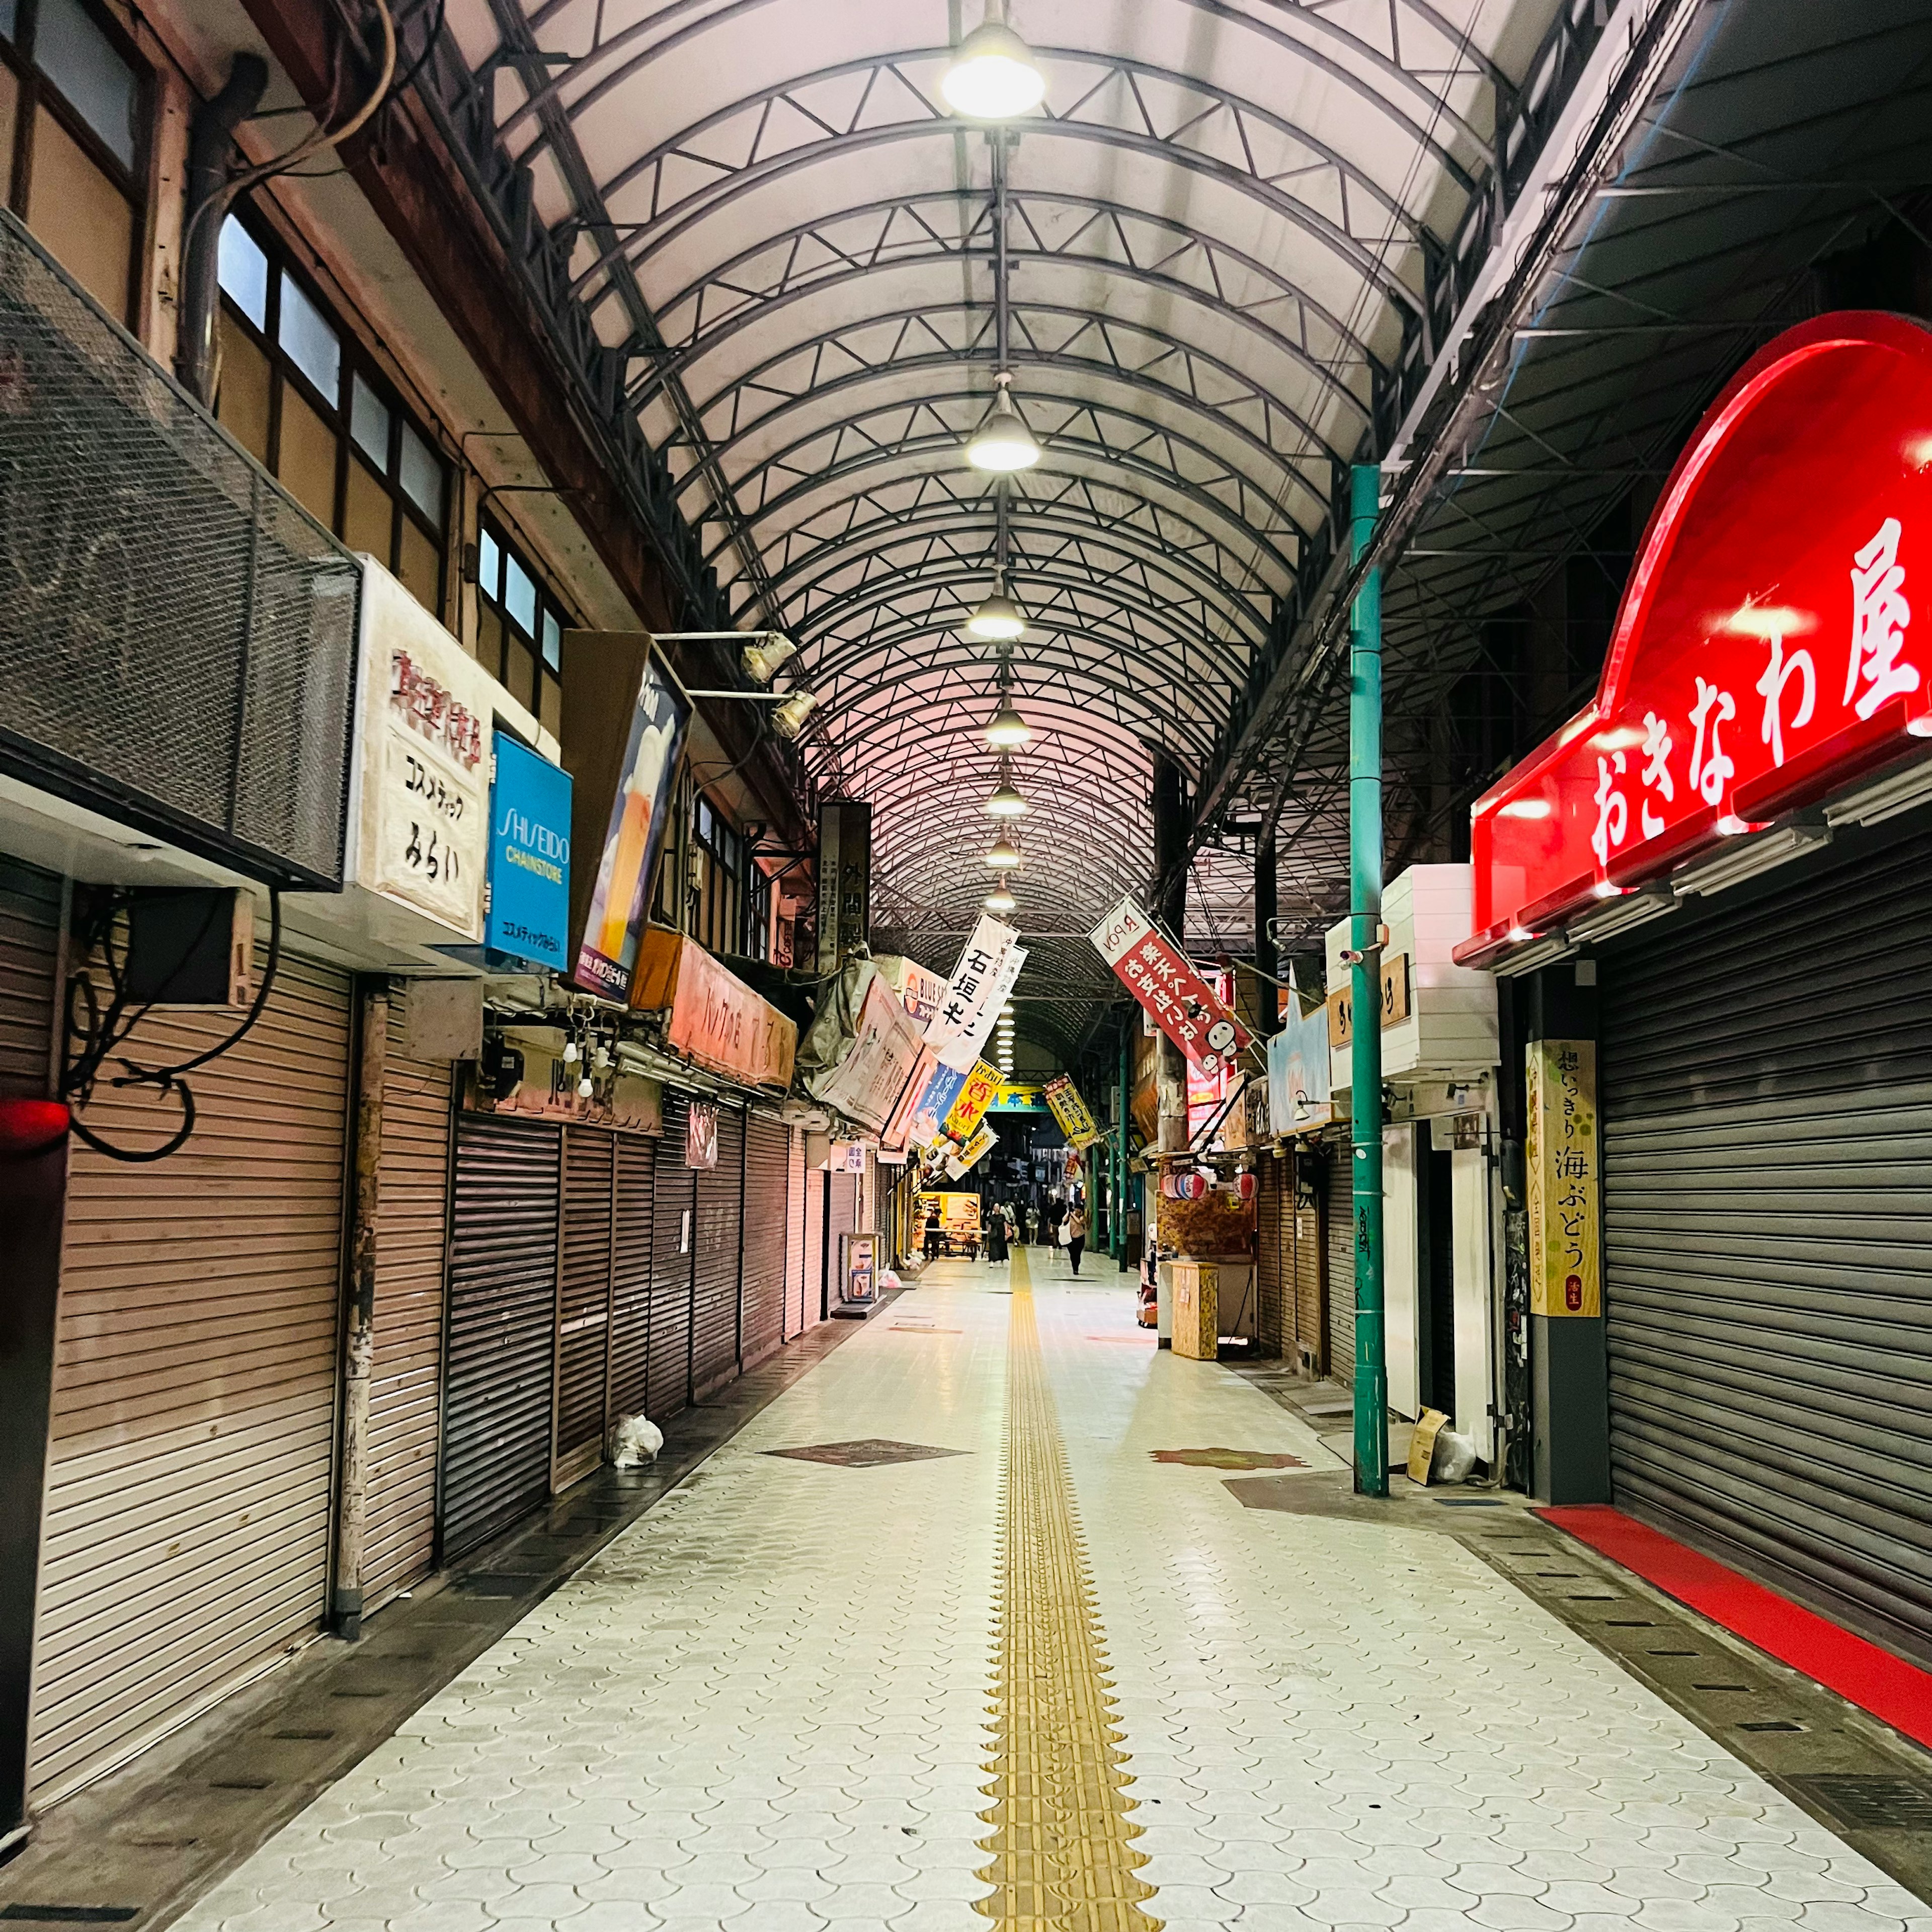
<point x="406" y="1385"/>
<point x="795" y="1224"/>
<point x="584" y="1301"/>
<point x="1304" y="1179"/>
<point x="191" y="1462"/>
<point x="631" y="1288"/>
<point x="1273" y="1263"/>
<point x="502" y="1326"/>
<point x="30" y="914"/>
<point x="1767" y="1110"/>
<point x="844" y="1219"/>
<point x="767" y="1159"/>
<point x="674" y="1210"/>
<point x="1339" y="1193"/>
<point x="720" y="1257"/>
<point x="812" y="1288"/>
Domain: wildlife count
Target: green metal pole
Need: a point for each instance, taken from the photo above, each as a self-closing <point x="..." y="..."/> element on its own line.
<point x="1365" y="1082"/>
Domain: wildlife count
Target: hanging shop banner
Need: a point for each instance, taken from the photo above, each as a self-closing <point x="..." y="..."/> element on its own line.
<point x="700" y="1135"/>
<point x="528" y="916"/>
<point x="927" y="1122"/>
<point x="1076" y="1120"/>
<point x="975" y="1150"/>
<point x="1766" y="651"/>
<point x="976" y="1096"/>
<point x="1019" y="1097"/>
<point x="626" y="768"/>
<point x="1163" y="980"/>
<point x="895" y="1137"/>
<point x="712" y="1017"/>
<point x="844" y="883"/>
<point x="1562" y="1158"/>
<point x="1298" y="1064"/>
<point x="873" y="1071"/>
<point x="920" y="990"/>
<point x="982" y="982"/>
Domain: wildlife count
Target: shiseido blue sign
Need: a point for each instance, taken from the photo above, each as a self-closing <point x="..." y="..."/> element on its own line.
<point x="530" y="857"/>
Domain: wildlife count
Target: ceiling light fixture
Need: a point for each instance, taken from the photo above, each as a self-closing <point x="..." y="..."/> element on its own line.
<point x="1004" y="855"/>
<point x="1007" y="730"/>
<point x="994" y="76"/>
<point x="1003" y="443"/>
<point x="999" y="899"/>
<point x="998" y="618"/>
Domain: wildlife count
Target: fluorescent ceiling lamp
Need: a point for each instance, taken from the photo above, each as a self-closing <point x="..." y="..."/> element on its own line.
<point x="1003" y="443"/>
<point x="1000" y="619"/>
<point x="1005" y="855"/>
<point x="994" y="76"/>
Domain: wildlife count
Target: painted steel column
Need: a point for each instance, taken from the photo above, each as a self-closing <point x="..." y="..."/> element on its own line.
<point x="1170" y="910"/>
<point x="1365" y="1061"/>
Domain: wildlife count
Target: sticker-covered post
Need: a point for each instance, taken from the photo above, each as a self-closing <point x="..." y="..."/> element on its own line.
<point x="1365" y="910"/>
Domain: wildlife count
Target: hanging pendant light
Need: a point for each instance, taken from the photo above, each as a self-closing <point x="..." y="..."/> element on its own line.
<point x="998" y="619"/>
<point x="1003" y="443"/>
<point x="1007" y="730"/>
<point x="999" y="899"/>
<point x="994" y="76"/>
<point x="1004" y="855"/>
<point x="1005" y="801"/>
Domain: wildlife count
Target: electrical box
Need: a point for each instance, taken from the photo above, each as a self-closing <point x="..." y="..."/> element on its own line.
<point x="190" y="946"/>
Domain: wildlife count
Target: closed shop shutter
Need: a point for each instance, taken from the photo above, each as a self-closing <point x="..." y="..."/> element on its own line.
<point x="1767" y="1107"/>
<point x="1339" y="1192"/>
<point x="30" y="905"/>
<point x="191" y="1453"/>
<point x="795" y="1233"/>
<point x="584" y="1301"/>
<point x="502" y="1326"/>
<point x="631" y="1293"/>
<point x="1273" y="1323"/>
<point x="673" y="1206"/>
<point x="816" y="1183"/>
<point x="406" y="1382"/>
<point x="844" y="1218"/>
<point x="721" y="1201"/>
<point x="767" y="1151"/>
<point x="1311" y="1308"/>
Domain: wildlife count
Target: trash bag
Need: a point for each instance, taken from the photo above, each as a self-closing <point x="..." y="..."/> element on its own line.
<point x="635" y="1440"/>
<point x="1455" y="1457"/>
<point x="889" y="1279"/>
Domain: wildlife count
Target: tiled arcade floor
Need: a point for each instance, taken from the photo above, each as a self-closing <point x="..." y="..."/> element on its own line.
<point x="765" y="1706"/>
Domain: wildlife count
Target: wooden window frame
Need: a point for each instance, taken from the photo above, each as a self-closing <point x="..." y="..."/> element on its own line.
<point x="548" y="601"/>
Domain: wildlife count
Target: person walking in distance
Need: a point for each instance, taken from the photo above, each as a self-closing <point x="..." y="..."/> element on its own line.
<point x="1075" y="1225"/>
<point x="932" y="1236"/>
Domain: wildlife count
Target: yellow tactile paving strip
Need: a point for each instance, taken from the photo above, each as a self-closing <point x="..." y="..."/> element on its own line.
<point x="1062" y="1842"/>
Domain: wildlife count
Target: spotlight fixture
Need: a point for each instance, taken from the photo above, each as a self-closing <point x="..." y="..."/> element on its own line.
<point x="998" y="618"/>
<point x="994" y="76"/>
<point x="1003" y="443"/>
<point x="1004" y="855"/>
<point x="788" y="718"/>
<point x="761" y="659"/>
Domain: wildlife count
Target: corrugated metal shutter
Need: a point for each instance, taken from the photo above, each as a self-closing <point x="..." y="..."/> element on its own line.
<point x="405" y="1386"/>
<point x="767" y="1152"/>
<point x="30" y="906"/>
<point x="1304" y="1177"/>
<point x="631" y="1293"/>
<point x="1273" y="1322"/>
<point x="191" y="1466"/>
<point x="502" y="1326"/>
<point x="584" y="1301"/>
<point x="1767" y="1109"/>
<point x="1339" y="1192"/>
<point x="796" y="1218"/>
<point x="674" y="1209"/>
<point x="721" y="1201"/>
<point x="844" y="1219"/>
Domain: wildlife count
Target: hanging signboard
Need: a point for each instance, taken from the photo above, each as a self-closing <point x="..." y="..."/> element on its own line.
<point x="700" y="1135"/>
<point x="866" y="1084"/>
<point x="982" y="982"/>
<point x="844" y="882"/>
<point x="982" y="1143"/>
<point x="1765" y="651"/>
<point x="1298" y="1074"/>
<point x="1076" y="1120"/>
<point x="712" y="1017"/>
<point x="1019" y="1097"/>
<point x="1560" y="1150"/>
<point x="976" y="1096"/>
<point x="529" y="913"/>
<point x="1163" y="980"/>
<point x="920" y="989"/>
<point x="1341" y="1004"/>
<point x="927" y="1121"/>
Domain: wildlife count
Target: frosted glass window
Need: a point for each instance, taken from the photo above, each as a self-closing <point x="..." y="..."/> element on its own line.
<point x="553" y="641"/>
<point x="369" y="423"/>
<point x="80" y="60"/>
<point x="309" y="340"/>
<point x="519" y="596"/>
<point x="489" y="565"/>
<point x="421" y="475"/>
<point x="244" y="272"/>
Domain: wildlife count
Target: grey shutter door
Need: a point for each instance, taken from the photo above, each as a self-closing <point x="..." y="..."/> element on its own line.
<point x="191" y="1457"/>
<point x="1274" y="1319"/>
<point x="502" y="1326"/>
<point x="813" y="1285"/>
<point x="1340" y="1192"/>
<point x="844" y="1221"/>
<point x="406" y="1383"/>
<point x="767" y="1153"/>
<point x="673" y="1205"/>
<point x="1766" y="1098"/>
<point x="796" y="1217"/>
<point x="1302" y="1174"/>
<point x="721" y="1194"/>
<point x="584" y="1301"/>
<point x="630" y="1290"/>
<point x="30" y="906"/>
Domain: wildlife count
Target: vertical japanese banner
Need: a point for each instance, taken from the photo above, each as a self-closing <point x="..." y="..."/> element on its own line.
<point x="1565" y="1269"/>
<point x="1181" y="1002"/>
<point x="988" y="970"/>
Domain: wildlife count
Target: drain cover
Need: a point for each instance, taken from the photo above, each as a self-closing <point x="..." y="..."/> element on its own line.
<point x="1870" y="1804"/>
<point x="71" y="1915"/>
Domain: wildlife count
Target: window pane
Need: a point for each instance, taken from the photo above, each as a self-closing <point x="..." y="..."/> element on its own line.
<point x="421" y="473"/>
<point x="369" y="424"/>
<point x="368" y="512"/>
<point x="242" y="404"/>
<point x="489" y="565"/>
<point x="81" y="215"/>
<point x="77" y="56"/>
<point x="520" y="595"/>
<point x="306" y="461"/>
<point x="309" y="340"/>
<point x="553" y="641"/>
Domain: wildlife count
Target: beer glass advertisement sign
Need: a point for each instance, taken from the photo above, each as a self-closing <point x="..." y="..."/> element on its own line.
<point x="607" y="953"/>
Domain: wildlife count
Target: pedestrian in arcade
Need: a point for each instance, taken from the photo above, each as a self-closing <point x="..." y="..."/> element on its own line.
<point x="1075" y="1225"/>
<point x="996" y="1234"/>
<point x="932" y="1236"/>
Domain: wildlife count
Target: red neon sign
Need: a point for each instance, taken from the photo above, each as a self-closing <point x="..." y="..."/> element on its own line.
<point x="1766" y="650"/>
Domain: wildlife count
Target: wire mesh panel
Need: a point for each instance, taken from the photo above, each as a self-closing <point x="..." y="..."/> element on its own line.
<point x="177" y="634"/>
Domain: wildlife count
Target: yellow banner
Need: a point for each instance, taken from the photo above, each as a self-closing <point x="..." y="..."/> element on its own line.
<point x="974" y="1098"/>
<point x="1076" y="1122"/>
<point x="1565" y="1276"/>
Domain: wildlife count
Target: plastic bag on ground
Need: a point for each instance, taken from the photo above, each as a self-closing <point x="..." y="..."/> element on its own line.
<point x="635" y="1440"/>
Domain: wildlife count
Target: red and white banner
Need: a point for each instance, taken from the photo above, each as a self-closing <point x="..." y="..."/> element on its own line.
<point x="982" y="982"/>
<point x="1181" y="1002"/>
